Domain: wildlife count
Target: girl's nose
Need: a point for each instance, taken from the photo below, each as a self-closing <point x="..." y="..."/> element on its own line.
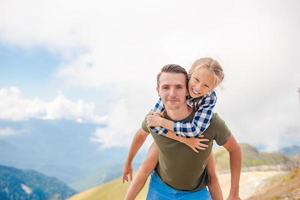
<point x="198" y="87"/>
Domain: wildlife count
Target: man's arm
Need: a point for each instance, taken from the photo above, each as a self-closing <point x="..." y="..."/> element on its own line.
<point x="235" y="167"/>
<point x="137" y="142"/>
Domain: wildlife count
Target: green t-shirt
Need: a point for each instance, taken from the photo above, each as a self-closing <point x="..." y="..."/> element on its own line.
<point x="178" y="165"/>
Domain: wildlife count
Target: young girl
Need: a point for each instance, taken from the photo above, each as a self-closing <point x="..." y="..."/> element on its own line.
<point x="204" y="75"/>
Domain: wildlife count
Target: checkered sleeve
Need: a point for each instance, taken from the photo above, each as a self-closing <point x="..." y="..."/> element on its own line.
<point x="159" y="107"/>
<point x="201" y="120"/>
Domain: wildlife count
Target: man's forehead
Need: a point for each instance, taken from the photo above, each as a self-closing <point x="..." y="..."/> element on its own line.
<point x="172" y="79"/>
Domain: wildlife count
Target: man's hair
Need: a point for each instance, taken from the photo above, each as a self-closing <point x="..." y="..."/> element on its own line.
<point x="173" y="68"/>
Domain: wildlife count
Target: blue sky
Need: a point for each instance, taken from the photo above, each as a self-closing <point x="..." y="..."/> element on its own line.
<point x="31" y="70"/>
<point x="34" y="71"/>
<point x="95" y="61"/>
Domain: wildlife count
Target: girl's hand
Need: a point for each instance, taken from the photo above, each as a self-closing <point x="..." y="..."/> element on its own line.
<point x="154" y="119"/>
<point x="127" y="173"/>
<point x="196" y="143"/>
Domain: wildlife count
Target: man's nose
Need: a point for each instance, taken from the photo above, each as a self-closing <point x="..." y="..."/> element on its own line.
<point x="173" y="92"/>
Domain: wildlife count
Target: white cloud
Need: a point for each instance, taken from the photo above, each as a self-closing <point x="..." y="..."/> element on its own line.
<point x="6" y="132"/>
<point x="123" y="121"/>
<point x="122" y="45"/>
<point x="266" y="124"/>
<point x="14" y="107"/>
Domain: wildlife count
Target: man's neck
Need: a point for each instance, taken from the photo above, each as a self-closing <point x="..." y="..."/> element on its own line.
<point x="179" y="114"/>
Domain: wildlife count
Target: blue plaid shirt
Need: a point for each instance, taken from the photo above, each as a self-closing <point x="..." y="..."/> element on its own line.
<point x="200" y="122"/>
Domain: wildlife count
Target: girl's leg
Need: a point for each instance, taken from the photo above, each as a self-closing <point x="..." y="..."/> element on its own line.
<point x="213" y="185"/>
<point x="143" y="172"/>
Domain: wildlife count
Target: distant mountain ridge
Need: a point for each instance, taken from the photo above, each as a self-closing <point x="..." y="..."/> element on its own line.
<point x="16" y="184"/>
<point x="251" y="157"/>
<point x="63" y="149"/>
<point x="290" y="151"/>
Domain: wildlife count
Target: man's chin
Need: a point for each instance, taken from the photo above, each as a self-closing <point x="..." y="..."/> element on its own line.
<point x="172" y="107"/>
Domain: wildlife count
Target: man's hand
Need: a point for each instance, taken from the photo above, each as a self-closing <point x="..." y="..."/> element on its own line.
<point x="127" y="173"/>
<point x="154" y="119"/>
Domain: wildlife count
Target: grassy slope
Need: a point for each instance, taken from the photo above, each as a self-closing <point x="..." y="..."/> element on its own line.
<point x="285" y="187"/>
<point x="251" y="157"/>
<point x="114" y="190"/>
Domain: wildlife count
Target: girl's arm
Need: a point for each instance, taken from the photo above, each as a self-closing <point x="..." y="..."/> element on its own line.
<point x="158" y="108"/>
<point x="199" y="124"/>
<point x="194" y="143"/>
<point x="213" y="185"/>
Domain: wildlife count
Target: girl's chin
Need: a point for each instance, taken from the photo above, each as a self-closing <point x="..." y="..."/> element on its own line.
<point x="194" y="96"/>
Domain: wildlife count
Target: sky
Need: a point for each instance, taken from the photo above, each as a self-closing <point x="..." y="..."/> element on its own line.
<point x="96" y="61"/>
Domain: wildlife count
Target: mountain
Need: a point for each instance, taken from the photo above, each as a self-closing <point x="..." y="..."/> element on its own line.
<point x="290" y="151"/>
<point x="251" y="157"/>
<point x="63" y="149"/>
<point x="19" y="184"/>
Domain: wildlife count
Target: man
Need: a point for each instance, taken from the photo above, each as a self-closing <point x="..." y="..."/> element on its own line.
<point x="180" y="172"/>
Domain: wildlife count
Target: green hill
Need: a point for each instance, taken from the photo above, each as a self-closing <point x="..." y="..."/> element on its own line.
<point x="19" y="184"/>
<point x="250" y="157"/>
<point x="112" y="190"/>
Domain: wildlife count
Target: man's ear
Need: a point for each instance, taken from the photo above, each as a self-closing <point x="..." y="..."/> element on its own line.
<point x="157" y="90"/>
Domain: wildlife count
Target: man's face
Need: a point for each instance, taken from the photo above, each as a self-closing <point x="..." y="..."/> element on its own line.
<point x="172" y="90"/>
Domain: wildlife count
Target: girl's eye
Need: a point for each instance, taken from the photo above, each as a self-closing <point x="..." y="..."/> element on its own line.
<point x="206" y="86"/>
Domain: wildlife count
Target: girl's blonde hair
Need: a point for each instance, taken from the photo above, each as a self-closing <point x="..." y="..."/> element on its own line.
<point x="210" y="64"/>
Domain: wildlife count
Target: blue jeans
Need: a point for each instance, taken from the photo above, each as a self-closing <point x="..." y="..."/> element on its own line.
<point x="158" y="190"/>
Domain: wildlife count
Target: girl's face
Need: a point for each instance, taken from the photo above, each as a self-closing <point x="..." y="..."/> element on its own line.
<point x="201" y="82"/>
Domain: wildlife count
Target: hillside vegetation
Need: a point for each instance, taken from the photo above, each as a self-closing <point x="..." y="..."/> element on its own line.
<point x="19" y="184"/>
<point x="112" y="190"/>
<point x="251" y="157"/>
<point x="281" y="188"/>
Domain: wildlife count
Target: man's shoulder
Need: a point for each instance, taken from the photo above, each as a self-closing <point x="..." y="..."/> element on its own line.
<point x="219" y="129"/>
<point x="216" y="120"/>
